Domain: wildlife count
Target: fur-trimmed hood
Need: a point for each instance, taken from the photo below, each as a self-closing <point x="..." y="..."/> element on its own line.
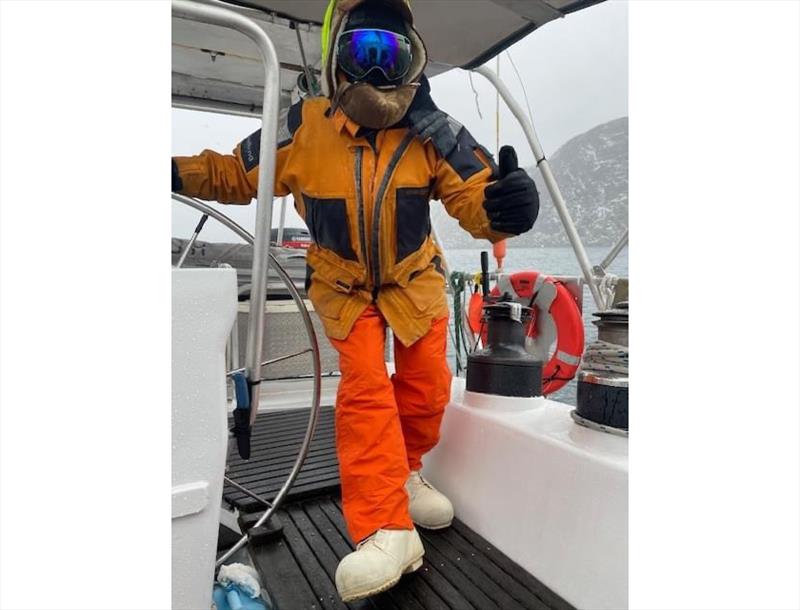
<point x="335" y="22"/>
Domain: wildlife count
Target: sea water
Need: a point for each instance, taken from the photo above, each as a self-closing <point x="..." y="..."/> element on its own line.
<point x="552" y="261"/>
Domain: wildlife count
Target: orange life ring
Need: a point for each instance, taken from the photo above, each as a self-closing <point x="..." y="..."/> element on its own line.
<point x="566" y="358"/>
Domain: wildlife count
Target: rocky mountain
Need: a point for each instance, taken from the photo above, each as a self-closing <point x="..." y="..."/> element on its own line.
<point x="592" y="171"/>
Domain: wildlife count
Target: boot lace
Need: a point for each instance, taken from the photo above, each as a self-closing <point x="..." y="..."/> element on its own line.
<point x="417" y="475"/>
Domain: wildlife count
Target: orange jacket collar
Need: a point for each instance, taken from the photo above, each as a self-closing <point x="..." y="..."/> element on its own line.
<point x="342" y="121"/>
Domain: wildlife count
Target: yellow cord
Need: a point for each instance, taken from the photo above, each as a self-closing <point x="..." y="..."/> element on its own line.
<point x="326" y="29"/>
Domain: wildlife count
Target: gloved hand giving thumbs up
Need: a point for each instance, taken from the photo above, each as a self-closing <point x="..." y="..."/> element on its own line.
<point x="511" y="203"/>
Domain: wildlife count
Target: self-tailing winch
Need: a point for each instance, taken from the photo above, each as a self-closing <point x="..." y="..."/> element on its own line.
<point x="504" y="367"/>
<point x="603" y="377"/>
<point x="553" y="317"/>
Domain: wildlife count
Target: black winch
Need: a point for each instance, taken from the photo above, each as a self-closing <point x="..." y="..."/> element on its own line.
<point x="603" y="378"/>
<point x="603" y="400"/>
<point x="504" y="367"/>
<point x="612" y="324"/>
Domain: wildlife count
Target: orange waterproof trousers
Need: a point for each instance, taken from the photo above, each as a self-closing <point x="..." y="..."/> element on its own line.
<point x="384" y="426"/>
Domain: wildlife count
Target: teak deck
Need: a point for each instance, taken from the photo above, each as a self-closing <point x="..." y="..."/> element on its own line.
<point x="461" y="570"/>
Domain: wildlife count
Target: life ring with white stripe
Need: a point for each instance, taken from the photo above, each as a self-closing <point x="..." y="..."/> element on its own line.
<point x="523" y="286"/>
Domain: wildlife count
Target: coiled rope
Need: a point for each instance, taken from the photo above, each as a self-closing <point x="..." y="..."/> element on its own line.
<point x="458" y="282"/>
<point x="605" y="357"/>
<point x="462" y="284"/>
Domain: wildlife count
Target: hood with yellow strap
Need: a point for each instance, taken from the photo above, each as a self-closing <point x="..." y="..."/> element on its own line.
<point x="367" y="105"/>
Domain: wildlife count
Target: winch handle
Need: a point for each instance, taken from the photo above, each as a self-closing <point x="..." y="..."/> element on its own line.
<point x="485" y="273"/>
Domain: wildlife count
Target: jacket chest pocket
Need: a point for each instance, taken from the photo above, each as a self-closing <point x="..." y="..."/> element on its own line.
<point x="412" y="220"/>
<point x="328" y="223"/>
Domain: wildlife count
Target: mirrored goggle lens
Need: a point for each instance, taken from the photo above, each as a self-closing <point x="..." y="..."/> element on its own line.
<point x="361" y="51"/>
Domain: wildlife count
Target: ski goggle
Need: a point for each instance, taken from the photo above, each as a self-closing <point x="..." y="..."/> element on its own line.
<point x="362" y="51"/>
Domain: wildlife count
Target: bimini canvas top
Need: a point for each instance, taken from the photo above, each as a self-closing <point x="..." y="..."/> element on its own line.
<point x="220" y="70"/>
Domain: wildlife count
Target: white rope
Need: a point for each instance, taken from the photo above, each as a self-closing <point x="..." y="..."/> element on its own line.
<point x="605" y="357"/>
<point x="608" y="287"/>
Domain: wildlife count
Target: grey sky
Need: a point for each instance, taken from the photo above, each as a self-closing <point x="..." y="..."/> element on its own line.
<point x="575" y="71"/>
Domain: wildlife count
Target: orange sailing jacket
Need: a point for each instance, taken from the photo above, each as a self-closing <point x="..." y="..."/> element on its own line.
<point x="365" y="198"/>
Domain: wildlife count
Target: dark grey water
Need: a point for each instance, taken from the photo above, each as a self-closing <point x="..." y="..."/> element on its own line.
<point x="552" y="261"/>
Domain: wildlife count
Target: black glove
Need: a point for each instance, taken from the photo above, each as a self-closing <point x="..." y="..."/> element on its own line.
<point x="177" y="183"/>
<point x="512" y="203"/>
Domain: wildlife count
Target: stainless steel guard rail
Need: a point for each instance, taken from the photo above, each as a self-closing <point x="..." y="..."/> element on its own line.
<point x="550" y="182"/>
<point x="612" y="254"/>
<point x="226" y="18"/>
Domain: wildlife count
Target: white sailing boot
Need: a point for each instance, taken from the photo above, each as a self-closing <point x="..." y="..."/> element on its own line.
<point x="428" y="507"/>
<point x="378" y="563"/>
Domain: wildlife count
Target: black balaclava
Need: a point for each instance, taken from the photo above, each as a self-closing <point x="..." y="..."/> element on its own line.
<point x="371" y="15"/>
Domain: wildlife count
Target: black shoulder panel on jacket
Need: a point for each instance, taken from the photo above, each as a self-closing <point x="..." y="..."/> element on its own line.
<point x="288" y="125"/>
<point x="289" y="121"/>
<point x="452" y="141"/>
<point x="177" y="182"/>
<point x="463" y="158"/>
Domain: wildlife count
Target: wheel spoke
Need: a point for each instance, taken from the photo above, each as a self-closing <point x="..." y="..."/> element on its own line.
<point x="275" y="360"/>
<point x="247" y="492"/>
<point x="282" y="358"/>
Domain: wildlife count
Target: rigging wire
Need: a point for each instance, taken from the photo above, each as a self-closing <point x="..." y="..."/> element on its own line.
<point x="475" y="91"/>
<point x="522" y="84"/>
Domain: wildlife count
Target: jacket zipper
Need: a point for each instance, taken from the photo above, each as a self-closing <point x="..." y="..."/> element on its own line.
<point x="362" y="231"/>
<point x="376" y="211"/>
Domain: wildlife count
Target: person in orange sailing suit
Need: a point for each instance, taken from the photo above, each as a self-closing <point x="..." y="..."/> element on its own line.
<point x="363" y="162"/>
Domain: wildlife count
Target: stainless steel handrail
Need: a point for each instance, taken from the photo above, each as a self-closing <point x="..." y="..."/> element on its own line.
<point x="550" y="182"/>
<point x="261" y="251"/>
<point x="613" y="253"/>
<point x="227" y="18"/>
<point x="315" y="356"/>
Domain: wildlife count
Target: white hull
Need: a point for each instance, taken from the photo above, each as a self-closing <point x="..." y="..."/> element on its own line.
<point x="548" y="493"/>
<point x="203" y="310"/>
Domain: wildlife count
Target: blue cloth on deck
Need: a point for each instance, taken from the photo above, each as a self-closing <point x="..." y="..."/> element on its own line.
<point x="232" y="597"/>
